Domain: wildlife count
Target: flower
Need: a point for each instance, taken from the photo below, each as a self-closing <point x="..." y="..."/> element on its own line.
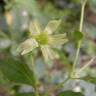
<point x="44" y="39"/>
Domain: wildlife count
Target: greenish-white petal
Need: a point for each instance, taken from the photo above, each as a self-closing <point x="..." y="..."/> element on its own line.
<point x="27" y="46"/>
<point x="34" y="28"/>
<point x="44" y="52"/>
<point x="52" y="26"/>
<point x="59" y="39"/>
<point x="48" y="53"/>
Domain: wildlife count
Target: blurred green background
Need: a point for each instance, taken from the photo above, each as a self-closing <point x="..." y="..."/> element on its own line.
<point x="15" y="16"/>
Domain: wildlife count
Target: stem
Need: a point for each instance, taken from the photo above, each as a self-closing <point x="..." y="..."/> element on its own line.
<point x="29" y="59"/>
<point x="82" y="15"/>
<point x="77" y="55"/>
<point x="36" y="89"/>
<point x="86" y="65"/>
<point x="80" y="29"/>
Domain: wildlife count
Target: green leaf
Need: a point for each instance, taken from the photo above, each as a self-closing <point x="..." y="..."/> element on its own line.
<point x="2" y="80"/>
<point x="70" y="93"/>
<point x="17" y="72"/>
<point x="77" y="35"/>
<point x="25" y="94"/>
<point x="89" y="79"/>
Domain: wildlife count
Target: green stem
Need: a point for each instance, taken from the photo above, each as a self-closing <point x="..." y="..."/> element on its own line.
<point x="29" y="59"/>
<point x="80" y="29"/>
<point x="77" y="55"/>
<point x="35" y="79"/>
<point x="82" y="15"/>
<point x="86" y="65"/>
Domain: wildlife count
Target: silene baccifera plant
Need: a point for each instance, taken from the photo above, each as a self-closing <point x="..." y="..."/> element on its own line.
<point x="46" y="40"/>
<point x="43" y="39"/>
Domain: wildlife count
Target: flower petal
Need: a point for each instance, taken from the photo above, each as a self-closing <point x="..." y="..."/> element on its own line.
<point x="58" y="39"/>
<point x="27" y="46"/>
<point x="34" y="28"/>
<point x="52" y="26"/>
<point x="44" y="52"/>
<point x="48" y="53"/>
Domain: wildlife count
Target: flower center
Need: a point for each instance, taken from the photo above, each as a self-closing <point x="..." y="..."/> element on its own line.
<point x="42" y="38"/>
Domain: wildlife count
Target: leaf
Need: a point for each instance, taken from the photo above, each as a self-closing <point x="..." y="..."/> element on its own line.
<point x="70" y="93"/>
<point x="77" y="35"/>
<point x="89" y="79"/>
<point x="16" y="26"/>
<point x="25" y="94"/>
<point x="2" y="80"/>
<point x="17" y="72"/>
<point x="52" y="26"/>
<point x="2" y="34"/>
<point x="30" y="5"/>
<point x="4" y="43"/>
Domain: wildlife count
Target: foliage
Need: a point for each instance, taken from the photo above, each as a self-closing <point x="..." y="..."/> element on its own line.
<point x="70" y="93"/>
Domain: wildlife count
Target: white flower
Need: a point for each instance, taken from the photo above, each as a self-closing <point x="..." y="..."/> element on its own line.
<point x="44" y="39"/>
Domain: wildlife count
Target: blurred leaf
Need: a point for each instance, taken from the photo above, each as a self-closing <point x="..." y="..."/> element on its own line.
<point x="4" y="43"/>
<point x="3" y="25"/>
<point x="4" y="40"/>
<point x="25" y="94"/>
<point x="30" y="5"/>
<point x="76" y="1"/>
<point x="89" y="79"/>
<point x="70" y="93"/>
<point x="17" y="72"/>
<point x="20" y="17"/>
<point x="2" y="80"/>
<point x="2" y="34"/>
<point x="77" y="35"/>
<point x="15" y="28"/>
<point x="92" y="5"/>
